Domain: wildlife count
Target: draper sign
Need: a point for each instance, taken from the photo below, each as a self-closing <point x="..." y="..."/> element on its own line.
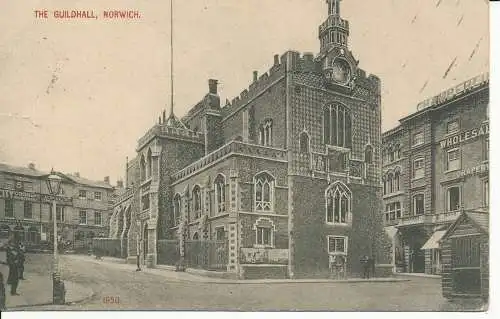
<point x="466" y="135"/>
<point x="454" y="91"/>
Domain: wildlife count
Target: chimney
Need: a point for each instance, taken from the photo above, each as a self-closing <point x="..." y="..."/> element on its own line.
<point x="276" y="59"/>
<point x="255" y="75"/>
<point x="212" y="86"/>
<point x="165" y="116"/>
<point x="106" y="179"/>
<point x="119" y="184"/>
<point x="31" y="166"/>
<point x="77" y="174"/>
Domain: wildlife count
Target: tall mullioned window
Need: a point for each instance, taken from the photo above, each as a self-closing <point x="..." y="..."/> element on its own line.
<point x="28" y="210"/>
<point x="418" y="204"/>
<point x="9" y="208"/>
<point x="338" y="204"/>
<point x="264" y="192"/>
<point x="220" y="193"/>
<point x="196" y="201"/>
<point x="266" y="133"/>
<point x="337" y="125"/>
<point x="453" y="199"/>
<point x="177" y="209"/>
<point x="304" y="143"/>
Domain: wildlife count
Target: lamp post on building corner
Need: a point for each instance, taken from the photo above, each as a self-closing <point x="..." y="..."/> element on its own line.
<point x="54" y="186"/>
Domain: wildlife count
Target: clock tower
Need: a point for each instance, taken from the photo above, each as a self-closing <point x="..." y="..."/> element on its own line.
<point x="339" y="65"/>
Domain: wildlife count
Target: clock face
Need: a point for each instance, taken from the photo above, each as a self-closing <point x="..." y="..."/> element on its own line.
<point x="341" y="72"/>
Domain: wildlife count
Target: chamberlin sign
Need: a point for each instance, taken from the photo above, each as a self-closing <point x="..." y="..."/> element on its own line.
<point x="465" y="136"/>
<point x="454" y="91"/>
<point x="479" y="169"/>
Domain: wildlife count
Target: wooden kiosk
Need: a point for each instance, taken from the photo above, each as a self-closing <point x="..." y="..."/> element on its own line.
<point x="465" y="256"/>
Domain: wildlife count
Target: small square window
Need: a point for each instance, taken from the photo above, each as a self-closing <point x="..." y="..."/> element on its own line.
<point x="82" y="194"/>
<point x="452" y="127"/>
<point x="97" y="195"/>
<point x="337" y="244"/>
<point x="418" y="168"/>
<point x="454" y="161"/>
<point x="418" y="139"/>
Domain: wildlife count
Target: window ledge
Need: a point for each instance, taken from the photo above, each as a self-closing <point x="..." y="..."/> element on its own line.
<point x="400" y="192"/>
<point x="338" y="224"/>
<point x="452" y="170"/>
<point x="337" y="253"/>
<point x="262" y="246"/>
<point x="417" y="179"/>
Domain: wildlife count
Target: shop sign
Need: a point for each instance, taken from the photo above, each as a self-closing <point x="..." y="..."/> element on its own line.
<point x="5" y="193"/>
<point x="461" y="137"/>
<point x="46" y="198"/>
<point x="479" y="169"/>
<point x="454" y="91"/>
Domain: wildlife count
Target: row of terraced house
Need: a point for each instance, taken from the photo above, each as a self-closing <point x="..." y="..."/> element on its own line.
<point x="436" y="167"/>
<point x="82" y="207"/>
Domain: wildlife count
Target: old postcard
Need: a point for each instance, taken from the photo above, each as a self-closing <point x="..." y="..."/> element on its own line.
<point x="326" y="155"/>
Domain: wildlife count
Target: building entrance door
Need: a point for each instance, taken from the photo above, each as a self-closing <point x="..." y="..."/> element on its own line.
<point x="418" y="260"/>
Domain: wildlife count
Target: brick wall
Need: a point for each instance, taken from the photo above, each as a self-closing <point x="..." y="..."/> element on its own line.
<point x="311" y="230"/>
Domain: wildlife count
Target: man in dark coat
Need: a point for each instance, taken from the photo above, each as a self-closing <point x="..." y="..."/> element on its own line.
<point x="13" y="262"/>
<point x="2" y="294"/>
<point x="366" y="266"/>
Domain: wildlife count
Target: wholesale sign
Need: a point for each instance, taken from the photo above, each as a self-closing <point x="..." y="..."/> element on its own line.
<point x="462" y="137"/>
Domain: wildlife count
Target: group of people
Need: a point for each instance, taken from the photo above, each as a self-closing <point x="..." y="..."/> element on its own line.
<point x="15" y="260"/>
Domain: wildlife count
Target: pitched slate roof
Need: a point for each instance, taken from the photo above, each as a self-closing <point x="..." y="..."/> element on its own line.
<point x="21" y="170"/>
<point x="481" y="219"/>
<point x="88" y="182"/>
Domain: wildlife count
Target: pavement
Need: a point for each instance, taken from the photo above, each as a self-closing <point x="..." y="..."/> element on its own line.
<point x="197" y="275"/>
<point x="36" y="290"/>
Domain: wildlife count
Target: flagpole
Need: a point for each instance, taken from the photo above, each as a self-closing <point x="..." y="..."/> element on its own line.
<point x="171" y="58"/>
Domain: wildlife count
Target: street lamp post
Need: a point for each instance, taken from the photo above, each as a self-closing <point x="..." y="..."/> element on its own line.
<point x="54" y="184"/>
<point x="138" y="247"/>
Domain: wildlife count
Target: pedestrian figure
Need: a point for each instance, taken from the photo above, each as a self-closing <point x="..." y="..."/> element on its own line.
<point x="366" y="266"/>
<point x="13" y="261"/>
<point x="2" y="294"/>
<point x="371" y="265"/>
<point x="22" y="253"/>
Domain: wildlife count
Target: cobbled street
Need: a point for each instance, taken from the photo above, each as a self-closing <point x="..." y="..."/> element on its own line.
<point x="125" y="289"/>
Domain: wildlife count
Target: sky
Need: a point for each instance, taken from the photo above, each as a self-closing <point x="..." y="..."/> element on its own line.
<point x="76" y="95"/>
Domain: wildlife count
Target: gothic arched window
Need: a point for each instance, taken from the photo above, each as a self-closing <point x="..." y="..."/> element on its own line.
<point x="304" y="142"/>
<point x="143" y="168"/>
<point x="266" y="133"/>
<point x="196" y="201"/>
<point x="264" y="191"/>
<point x="220" y="193"/>
<point x="390" y="183"/>
<point x="337" y="125"/>
<point x="150" y="164"/>
<point x="338" y="203"/>
<point x="177" y="209"/>
<point x="368" y="154"/>
<point x="396" y="186"/>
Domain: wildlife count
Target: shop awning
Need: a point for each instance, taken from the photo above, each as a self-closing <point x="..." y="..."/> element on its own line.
<point x="433" y="242"/>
